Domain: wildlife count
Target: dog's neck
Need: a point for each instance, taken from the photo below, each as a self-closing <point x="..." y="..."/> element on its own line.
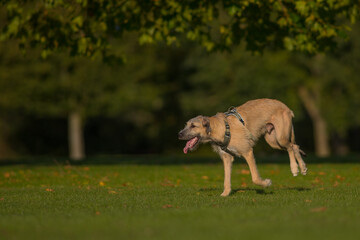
<point x="217" y="126"/>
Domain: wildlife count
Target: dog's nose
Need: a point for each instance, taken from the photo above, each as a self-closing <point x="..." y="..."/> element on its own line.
<point x="181" y="134"/>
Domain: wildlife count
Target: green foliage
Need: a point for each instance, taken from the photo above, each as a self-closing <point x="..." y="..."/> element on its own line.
<point x="60" y="84"/>
<point x="85" y="27"/>
<point x="160" y="87"/>
<point x="223" y="80"/>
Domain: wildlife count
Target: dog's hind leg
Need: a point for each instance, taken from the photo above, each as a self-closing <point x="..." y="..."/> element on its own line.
<point x="250" y="159"/>
<point x="297" y="154"/>
<point x="270" y="138"/>
<point x="284" y="137"/>
<point x="293" y="164"/>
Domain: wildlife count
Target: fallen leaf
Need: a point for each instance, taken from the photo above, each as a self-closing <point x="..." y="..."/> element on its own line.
<point x="112" y="192"/>
<point x="167" y="206"/>
<point x="241" y="191"/>
<point x="49" y="190"/>
<point x="86" y="168"/>
<point x="205" y="177"/>
<point x="1" y="199"/>
<point x="243" y="184"/>
<point x="245" y="172"/>
<point x="317" y="180"/>
<point x="319" y="209"/>
<point x="167" y="183"/>
<point x="321" y="173"/>
<point x="308" y="201"/>
<point x="6" y="175"/>
<point x="97" y="213"/>
<point x="336" y="183"/>
<point x="274" y="172"/>
<point x="101" y="183"/>
<point x="340" y="177"/>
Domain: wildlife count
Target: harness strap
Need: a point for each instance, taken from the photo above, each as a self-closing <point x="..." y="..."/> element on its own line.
<point x="227" y="136"/>
<point x="232" y="111"/>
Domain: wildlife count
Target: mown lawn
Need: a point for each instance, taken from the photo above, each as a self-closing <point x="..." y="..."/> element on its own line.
<point x="177" y="201"/>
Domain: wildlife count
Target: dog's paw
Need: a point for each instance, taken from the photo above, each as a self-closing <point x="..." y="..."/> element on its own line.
<point x="263" y="183"/>
<point x="294" y="169"/>
<point x="267" y="182"/>
<point x="304" y="171"/>
<point x="225" y="193"/>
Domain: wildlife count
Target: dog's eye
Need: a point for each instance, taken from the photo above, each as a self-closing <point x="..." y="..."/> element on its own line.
<point x="192" y="126"/>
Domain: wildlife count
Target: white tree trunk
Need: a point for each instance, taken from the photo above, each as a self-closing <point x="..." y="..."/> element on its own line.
<point x="76" y="136"/>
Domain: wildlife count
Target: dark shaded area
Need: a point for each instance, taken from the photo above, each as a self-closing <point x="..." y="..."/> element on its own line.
<point x="169" y="160"/>
<point x="104" y="135"/>
<point x="37" y="136"/>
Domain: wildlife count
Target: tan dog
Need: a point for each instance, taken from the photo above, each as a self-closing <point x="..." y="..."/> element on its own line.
<point x="261" y="117"/>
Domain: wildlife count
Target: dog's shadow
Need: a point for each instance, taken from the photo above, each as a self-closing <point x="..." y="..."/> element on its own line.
<point x="257" y="190"/>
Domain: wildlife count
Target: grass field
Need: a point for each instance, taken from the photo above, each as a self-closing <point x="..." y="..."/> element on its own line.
<point x="144" y="199"/>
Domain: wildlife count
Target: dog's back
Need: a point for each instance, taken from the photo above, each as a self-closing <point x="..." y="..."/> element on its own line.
<point x="257" y="113"/>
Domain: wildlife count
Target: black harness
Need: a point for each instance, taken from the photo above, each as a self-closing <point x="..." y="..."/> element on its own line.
<point x="227" y="136"/>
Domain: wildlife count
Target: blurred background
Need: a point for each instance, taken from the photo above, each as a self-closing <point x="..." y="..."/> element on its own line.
<point x="77" y="107"/>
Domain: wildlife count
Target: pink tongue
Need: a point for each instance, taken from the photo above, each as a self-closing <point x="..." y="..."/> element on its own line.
<point x="190" y="144"/>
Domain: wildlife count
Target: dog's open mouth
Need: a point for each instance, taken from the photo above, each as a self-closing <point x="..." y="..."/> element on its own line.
<point x="191" y="144"/>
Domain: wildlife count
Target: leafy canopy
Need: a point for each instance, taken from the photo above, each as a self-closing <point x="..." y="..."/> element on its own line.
<point x="84" y="27"/>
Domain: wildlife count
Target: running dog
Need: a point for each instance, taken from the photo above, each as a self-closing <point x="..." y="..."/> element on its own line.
<point x="235" y="133"/>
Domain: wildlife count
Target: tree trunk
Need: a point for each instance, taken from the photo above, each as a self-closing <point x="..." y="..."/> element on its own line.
<point x="339" y="144"/>
<point x="76" y="136"/>
<point x="322" y="148"/>
<point x="5" y="150"/>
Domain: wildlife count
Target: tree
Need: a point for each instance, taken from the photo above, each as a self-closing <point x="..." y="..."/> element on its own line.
<point x="330" y="94"/>
<point x="88" y="28"/>
<point x="85" y="27"/>
<point x="54" y="88"/>
<point x="78" y="88"/>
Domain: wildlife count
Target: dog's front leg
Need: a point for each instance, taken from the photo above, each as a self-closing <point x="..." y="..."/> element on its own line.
<point x="227" y="160"/>
<point x="250" y="159"/>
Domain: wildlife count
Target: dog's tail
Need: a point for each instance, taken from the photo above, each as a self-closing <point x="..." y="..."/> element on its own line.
<point x="302" y="152"/>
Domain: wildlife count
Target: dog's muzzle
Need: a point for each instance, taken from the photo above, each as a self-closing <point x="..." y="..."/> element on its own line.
<point x="181" y="135"/>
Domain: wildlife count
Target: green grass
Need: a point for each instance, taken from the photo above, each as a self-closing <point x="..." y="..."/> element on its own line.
<point x="180" y="201"/>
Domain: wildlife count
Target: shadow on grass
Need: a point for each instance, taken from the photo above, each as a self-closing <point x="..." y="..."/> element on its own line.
<point x="257" y="190"/>
<point x="299" y="189"/>
<point x="167" y="160"/>
<point x="239" y="190"/>
<point x="269" y="192"/>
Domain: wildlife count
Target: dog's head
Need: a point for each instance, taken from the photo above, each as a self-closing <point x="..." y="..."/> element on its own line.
<point x="196" y="130"/>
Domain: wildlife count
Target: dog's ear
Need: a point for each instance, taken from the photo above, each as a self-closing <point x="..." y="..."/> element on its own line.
<point x="206" y="124"/>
